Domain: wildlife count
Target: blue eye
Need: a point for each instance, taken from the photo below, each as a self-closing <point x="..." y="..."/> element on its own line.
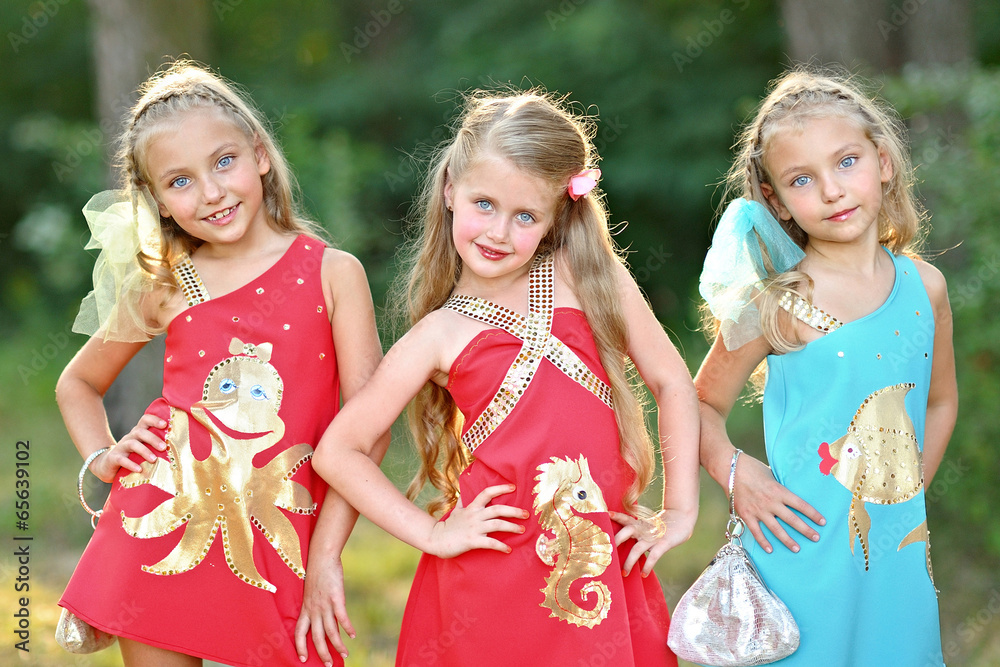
<point x="227" y="386"/>
<point x="525" y="218"/>
<point x="484" y="205"/>
<point x="848" y="162"/>
<point x="801" y="180"/>
<point x="225" y="161"/>
<point x="180" y="182"/>
<point x="258" y="393"/>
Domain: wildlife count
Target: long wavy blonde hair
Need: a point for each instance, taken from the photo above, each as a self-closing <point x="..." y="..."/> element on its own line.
<point x="182" y="86"/>
<point x="799" y="95"/>
<point x="541" y="135"/>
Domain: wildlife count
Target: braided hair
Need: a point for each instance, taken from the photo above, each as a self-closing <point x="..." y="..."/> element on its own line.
<point x="183" y="86"/>
<point x="800" y="95"/>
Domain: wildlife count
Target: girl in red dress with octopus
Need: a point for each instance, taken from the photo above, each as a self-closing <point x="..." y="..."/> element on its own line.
<point x="211" y="544"/>
<point x="524" y="323"/>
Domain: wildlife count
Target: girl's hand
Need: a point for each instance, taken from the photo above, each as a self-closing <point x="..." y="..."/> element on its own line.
<point x="138" y="440"/>
<point x="678" y="525"/>
<point x="324" y="610"/>
<point x="761" y="499"/>
<point x="468" y="528"/>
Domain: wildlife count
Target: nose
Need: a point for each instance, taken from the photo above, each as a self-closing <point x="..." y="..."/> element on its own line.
<point x="212" y="190"/>
<point x="497" y="231"/>
<point x="832" y="189"/>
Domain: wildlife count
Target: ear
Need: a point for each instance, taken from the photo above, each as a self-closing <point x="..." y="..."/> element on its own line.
<point x="449" y="189"/>
<point x="772" y="198"/>
<point x="884" y="164"/>
<point x="164" y="213"/>
<point x="263" y="159"/>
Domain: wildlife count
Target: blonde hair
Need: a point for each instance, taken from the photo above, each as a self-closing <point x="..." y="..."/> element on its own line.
<point x="539" y="134"/>
<point x="800" y="95"/>
<point x="180" y="87"/>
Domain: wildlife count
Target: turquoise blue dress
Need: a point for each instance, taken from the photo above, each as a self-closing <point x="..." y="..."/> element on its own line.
<point x="844" y="428"/>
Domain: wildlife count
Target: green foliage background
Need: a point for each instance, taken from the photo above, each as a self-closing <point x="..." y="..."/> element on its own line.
<point x="358" y="99"/>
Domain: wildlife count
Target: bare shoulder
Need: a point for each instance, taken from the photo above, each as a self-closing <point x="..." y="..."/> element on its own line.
<point x="161" y="305"/>
<point x="433" y="343"/>
<point x="341" y="265"/>
<point x="934" y="282"/>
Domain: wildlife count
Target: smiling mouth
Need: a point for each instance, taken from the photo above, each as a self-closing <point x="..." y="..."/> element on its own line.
<point x="840" y="216"/>
<point x="221" y="214"/>
<point x="490" y="253"/>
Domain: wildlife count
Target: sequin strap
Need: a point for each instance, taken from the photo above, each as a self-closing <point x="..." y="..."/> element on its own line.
<point x="187" y="277"/>
<point x="537" y="342"/>
<point x="808" y="313"/>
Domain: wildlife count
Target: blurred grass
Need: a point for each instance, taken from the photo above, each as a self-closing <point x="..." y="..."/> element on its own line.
<point x="378" y="568"/>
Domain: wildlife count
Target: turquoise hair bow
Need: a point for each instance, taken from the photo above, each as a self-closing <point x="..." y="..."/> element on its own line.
<point x="735" y="269"/>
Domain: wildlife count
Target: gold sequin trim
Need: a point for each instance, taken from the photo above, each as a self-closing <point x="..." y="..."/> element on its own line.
<point x="535" y="332"/>
<point x="803" y="310"/>
<point x="190" y="282"/>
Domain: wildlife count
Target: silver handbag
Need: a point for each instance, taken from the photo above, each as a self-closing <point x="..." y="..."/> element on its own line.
<point x="729" y="617"/>
<point x="73" y="633"/>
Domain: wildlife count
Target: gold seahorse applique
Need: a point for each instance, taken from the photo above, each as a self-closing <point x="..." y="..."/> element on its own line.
<point x="580" y="549"/>
<point x="878" y="461"/>
<point x="226" y="493"/>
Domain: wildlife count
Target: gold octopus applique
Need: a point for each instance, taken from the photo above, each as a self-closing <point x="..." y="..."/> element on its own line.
<point x="878" y="461"/>
<point x="225" y="492"/>
<point x="580" y="548"/>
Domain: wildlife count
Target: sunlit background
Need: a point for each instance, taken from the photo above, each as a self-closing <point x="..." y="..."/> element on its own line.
<point x="359" y="92"/>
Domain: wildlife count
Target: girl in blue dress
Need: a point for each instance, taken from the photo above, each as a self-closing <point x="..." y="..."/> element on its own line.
<point x="815" y="289"/>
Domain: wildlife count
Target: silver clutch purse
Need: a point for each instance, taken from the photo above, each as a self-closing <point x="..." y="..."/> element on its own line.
<point x="729" y="617"/>
<point x="75" y="635"/>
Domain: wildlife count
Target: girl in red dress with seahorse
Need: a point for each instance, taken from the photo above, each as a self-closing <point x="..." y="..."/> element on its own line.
<point x="524" y="323"/>
<point x="210" y="545"/>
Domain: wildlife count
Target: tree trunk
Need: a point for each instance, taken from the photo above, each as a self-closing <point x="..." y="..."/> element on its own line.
<point x="937" y="32"/>
<point x="836" y="31"/>
<point x="131" y="39"/>
<point x="880" y="35"/>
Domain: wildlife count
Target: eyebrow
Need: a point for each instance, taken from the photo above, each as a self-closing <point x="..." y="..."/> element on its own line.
<point x="846" y="148"/>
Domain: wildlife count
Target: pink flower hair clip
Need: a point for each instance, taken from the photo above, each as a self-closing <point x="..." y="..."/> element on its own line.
<point x="582" y="183"/>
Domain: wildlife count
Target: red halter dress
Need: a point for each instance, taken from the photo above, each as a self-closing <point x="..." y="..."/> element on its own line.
<point x="538" y="415"/>
<point x="204" y="551"/>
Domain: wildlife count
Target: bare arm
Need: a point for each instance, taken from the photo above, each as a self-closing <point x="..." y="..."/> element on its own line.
<point x="668" y="379"/>
<point x="759" y="498"/>
<point x="344" y="455"/>
<point x="942" y="398"/>
<point x="356" y="341"/>
<point x="80" y="394"/>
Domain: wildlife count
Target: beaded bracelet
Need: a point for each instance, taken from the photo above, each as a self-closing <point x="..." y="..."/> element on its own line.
<point x="94" y="516"/>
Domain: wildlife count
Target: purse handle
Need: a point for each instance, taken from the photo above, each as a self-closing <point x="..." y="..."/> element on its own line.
<point x="736" y="525"/>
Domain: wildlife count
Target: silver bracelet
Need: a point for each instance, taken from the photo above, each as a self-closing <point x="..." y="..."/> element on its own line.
<point x="736" y="526"/>
<point x="94" y="516"/>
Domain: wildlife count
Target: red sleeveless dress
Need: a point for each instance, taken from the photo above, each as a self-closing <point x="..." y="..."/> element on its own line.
<point x="538" y="415"/>
<point x="204" y="551"/>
